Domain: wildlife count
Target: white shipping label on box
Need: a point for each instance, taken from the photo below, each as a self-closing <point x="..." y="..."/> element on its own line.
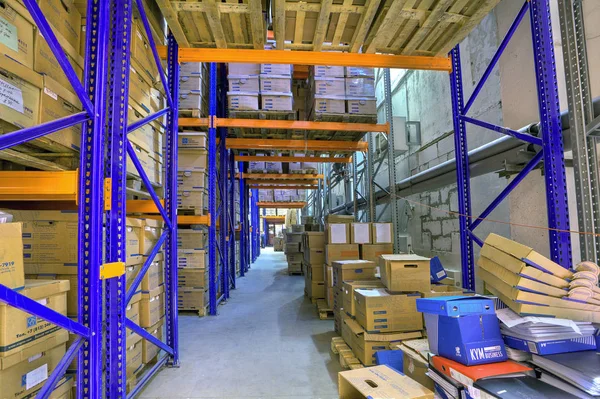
<point x="8" y="35"/>
<point x="36" y="376"/>
<point x="11" y="96"/>
<point x="361" y="233"/>
<point x="338" y="233"/>
<point x="383" y="232"/>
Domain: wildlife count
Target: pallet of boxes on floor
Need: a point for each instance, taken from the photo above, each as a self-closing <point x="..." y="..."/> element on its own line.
<point x="313" y="260"/>
<point x="192" y="272"/>
<point x="291" y="248"/>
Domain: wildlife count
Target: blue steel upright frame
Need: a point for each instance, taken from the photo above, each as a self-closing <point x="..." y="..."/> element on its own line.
<point x="551" y="143"/>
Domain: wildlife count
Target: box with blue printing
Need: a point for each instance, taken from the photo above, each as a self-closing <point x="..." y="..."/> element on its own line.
<point x="463" y="329"/>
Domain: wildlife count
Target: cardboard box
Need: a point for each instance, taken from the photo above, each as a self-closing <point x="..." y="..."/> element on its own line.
<point x="243" y="83"/>
<point x="23" y="379"/>
<point x="379" y="311"/>
<point x="317" y="273"/>
<point x="141" y="51"/>
<point x="12" y="271"/>
<point x="195" y="140"/>
<point x="243" y="69"/>
<point x="275" y="84"/>
<point x="191" y="239"/>
<point x="18" y="32"/>
<point x="193" y="258"/>
<point x="360" y="233"/>
<point x="352" y="270"/>
<point x="314" y="256"/>
<point x="372" y="252"/>
<point x="152" y="307"/>
<point x="294" y="258"/>
<point x="294" y="267"/>
<point x="338" y="233"/>
<point x="72" y="294"/>
<point x="21" y="95"/>
<point x="192" y="278"/>
<point x="314" y="240"/>
<point x="405" y="273"/>
<point x="339" y="219"/>
<point x="347" y="291"/>
<point x="293" y="238"/>
<point x="155" y="276"/>
<point x="133" y="355"/>
<point x="360" y="72"/>
<point x="316" y="290"/>
<point x="191" y="159"/>
<point x="291" y="248"/>
<point x="276" y="69"/>
<point x="329" y="86"/>
<point x="64" y="15"/>
<point x="149" y="350"/>
<point x="242" y="101"/>
<point x="446" y="290"/>
<point x="134" y="232"/>
<point x="329" y="104"/>
<point x="415" y="361"/>
<point x="192" y="199"/>
<point x="151" y="232"/>
<point x="277" y="101"/>
<point x="192" y="298"/>
<point x="362" y="105"/>
<point x="360" y="87"/>
<point x="338" y="252"/>
<point x="330" y="71"/>
<point x="379" y="382"/>
<point x="191" y="181"/>
<point x="20" y="330"/>
<point x="365" y="345"/>
<point x="381" y="233"/>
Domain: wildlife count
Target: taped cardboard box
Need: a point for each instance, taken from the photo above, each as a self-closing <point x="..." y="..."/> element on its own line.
<point x="191" y="180"/>
<point x="193" y="258"/>
<point x="242" y="101"/>
<point x="133" y="357"/>
<point x="20" y="330"/>
<point x="192" y="199"/>
<point x="272" y="101"/>
<point x="151" y="232"/>
<point x="134" y="232"/>
<point x="149" y="350"/>
<point x="152" y="307"/>
<point x="360" y="233"/>
<point x="64" y="15"/>
<point x="243" y="69"/>
<point x="379" y="382"/>
<point x="191" y="99"/>
<point x="365" y="345"/>
<point x="314" y="256"/>
<point x="329" y="104"/>
<point x="329" y="86"/>
<point x="275" y="84"/>
<point x="352" y="270"/>
<point x="329" y="71"/>
<point x="155" y="275"/>
<point x="244" y="83"/>
<point x="372" y="252"/>
<point x="379" y="311"/>
<point x="191" y="239"/>
<point x="72" y="293"/>
<point x="195" y="140"/>
<point x="316" y="290"/>
<point x="317" y="273"/>
<point x="21" y="96"/>
<point x="49" y="236"/>
<point x="19" y="30"/>
<point x="338" y="252"/>
<point x="192" y="278"/>
<point x="405" y="273"/>
<point x="141" y="51"/>
<point x="192" y="298"/>
<point x="338" y="233"/>
<point x="360" y="87"/>
<point x="192" y="160"/>
<point x="276" y="69"/>
<point x="12" y="270"/>
<point x="362" y="105"/>
<point x="23" y="379"/>
<point x="347" y="293"/>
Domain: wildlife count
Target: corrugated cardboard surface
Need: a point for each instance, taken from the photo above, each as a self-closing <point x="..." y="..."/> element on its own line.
<point x="372" y="252"/>
<point x="415" y="365"/>
<point x="19" y="330"/>
<point x="191" y="159"/>
<point x="191" y="258"/>
<point x="151" y="232"/>
<point x="379" y="382"/>
<point x="191" y="239"/>
<point x="149" y="350"/>
<point x="192" y="278"/>
<point x="152" y="307"/>
<point x="360" y="233"/>
<point x="18" y="43"/>
<point x="338" y="252"/>
<point x="12" y="273"/>
<point x="347" y="293"/>
<point x="58" y="102"/>
<point x="337" y="233"/>
<point x="379" y="311"/>
<point x="243" y="83"/>
<point x="352" y="270"/>
<point x="134" y="231"/>
<point x="134" y="358"/>
<point x="405" y="273"/>
<point x="192" y="298"/>
<point x="314" y="240"/>
<point x="314" y="256"/>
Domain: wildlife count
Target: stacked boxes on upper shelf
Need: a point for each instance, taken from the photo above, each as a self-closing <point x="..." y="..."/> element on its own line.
<point x="193" y="88"/>
<point x="192" y="270"/>
<point x="254" y="87"/>
<point x="339" y="90"/>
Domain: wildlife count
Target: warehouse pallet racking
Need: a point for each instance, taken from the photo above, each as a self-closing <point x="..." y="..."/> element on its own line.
<point x="99" y="187"/>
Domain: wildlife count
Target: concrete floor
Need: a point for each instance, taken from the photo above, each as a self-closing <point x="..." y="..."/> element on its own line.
<point x="266" y="342"/>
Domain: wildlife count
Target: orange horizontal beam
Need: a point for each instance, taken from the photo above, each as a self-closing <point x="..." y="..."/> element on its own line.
<point x="297" y="145"/>
<point x="280" y="176"/>
<point x="282" y="187"/>
<point x="150" y="211"/>
<point x="185" y="219"/>
<point x="287" y="125"/>
<point x="281" y="182"/>
<point x="254" y="158"/>
<point x="286" y="205"/>
<point x="39" y="186"/>
<point x="311" y="58"/>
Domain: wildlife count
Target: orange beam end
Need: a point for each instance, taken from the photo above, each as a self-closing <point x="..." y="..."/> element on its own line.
<point x="254" y="158"/>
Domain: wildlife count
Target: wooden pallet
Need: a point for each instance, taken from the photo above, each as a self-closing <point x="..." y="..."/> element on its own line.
<point x="191" y="113"/>
<point x="344" y="354"/>
<point x="257" y="133"/>
<point x="210" y="23"/>
<point x="200" y="311"/>
<point x="426" y="27"/>
<point x="295" y="273"/>
<point x="341" y="135"/>
<point x="325" y="312"/>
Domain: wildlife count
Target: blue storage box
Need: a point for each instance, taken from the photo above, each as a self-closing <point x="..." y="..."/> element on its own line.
<point x="552" y="347"/>
<point x="392" y="358"/>
<point x="456" y="305"/>
<point x="436" y="270"/>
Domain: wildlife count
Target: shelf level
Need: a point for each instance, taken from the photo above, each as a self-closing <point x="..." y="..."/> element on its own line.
<point x="254" y="158"/>
<point x="39" y="186"/>
<point x="281" y="176"/>
<point x="282" y="205"/>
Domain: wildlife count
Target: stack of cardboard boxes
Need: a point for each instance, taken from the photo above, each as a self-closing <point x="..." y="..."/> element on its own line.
<point x="271" y="83"/>
<point x="193" y="88"/>
<point x="339" y="90"/>
<point x="292" y="248"/>
<point x="192" y="188"/>
<point x="30" y="347"/>
<point x="313" y="263"/>
<point x="192" y="278"/>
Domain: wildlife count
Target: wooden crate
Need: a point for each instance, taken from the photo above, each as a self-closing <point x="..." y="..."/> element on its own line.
<point x="211" y="23"/>
<point x="424" y="27"/>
